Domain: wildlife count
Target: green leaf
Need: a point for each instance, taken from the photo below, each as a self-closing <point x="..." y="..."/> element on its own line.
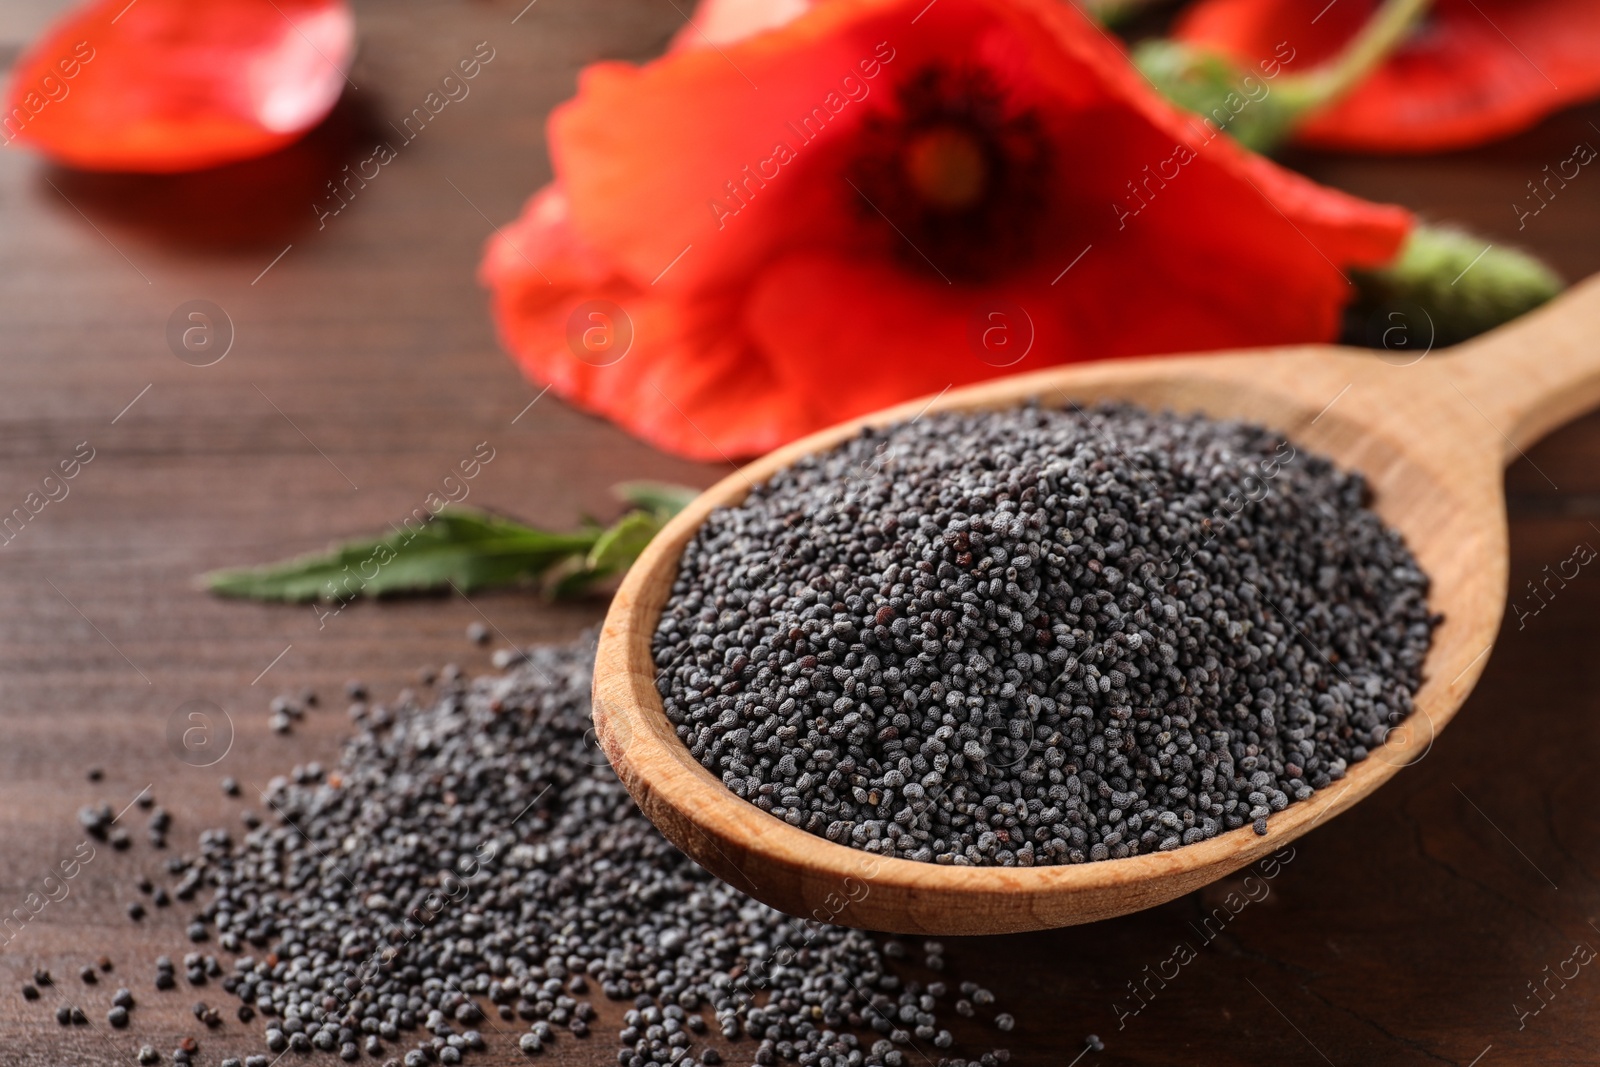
<point x="614" y="552"/>
<point x="573" y="580"/>
<point x="662" y="499"/>
<point x="470" y="549"/>
<point x="467" y="549"/>
<point x="622" y="542"/>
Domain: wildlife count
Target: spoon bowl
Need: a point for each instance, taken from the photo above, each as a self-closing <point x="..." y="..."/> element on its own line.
<point x="1431" y="433"/>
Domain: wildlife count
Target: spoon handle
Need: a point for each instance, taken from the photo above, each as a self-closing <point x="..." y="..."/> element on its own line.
<point x="1533" y="375"/>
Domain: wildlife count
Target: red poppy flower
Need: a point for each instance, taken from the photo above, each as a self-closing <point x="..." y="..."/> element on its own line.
<point x="881" y="198"/>
<point x="1473" y="71"/>
<point x="174" y="85"/>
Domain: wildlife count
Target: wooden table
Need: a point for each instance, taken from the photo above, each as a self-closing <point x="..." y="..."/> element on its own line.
<point x="364" y="366"/>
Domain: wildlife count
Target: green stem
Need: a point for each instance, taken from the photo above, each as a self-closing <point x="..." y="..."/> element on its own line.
<point x="1382" y="34"/>
<point x="1218" y="90"/>
<point x="1113" y="12"/>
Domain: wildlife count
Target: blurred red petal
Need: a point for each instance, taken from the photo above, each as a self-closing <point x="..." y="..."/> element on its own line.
<point x="174" y="85"/>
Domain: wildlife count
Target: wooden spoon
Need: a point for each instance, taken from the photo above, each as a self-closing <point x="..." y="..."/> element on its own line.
<point x="1432" y="437"/>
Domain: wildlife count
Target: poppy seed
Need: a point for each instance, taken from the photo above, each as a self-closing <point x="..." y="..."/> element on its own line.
<point x="470" y="848"/>
<point x="1033" y="637"/>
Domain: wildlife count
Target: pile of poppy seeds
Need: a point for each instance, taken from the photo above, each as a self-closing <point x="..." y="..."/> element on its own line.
<point x="1037" y="636"/>
<point x="473" y="874"/>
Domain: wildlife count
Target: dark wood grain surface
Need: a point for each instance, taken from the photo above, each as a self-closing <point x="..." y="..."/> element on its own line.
<point x="364" y="367"/>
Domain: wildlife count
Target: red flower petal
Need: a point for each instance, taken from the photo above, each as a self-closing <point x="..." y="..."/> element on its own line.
<point x="174" y="85"/>
<point x="1476" y="70"/>
<point x="787" y="301"/>
<point x="682" y="356"/>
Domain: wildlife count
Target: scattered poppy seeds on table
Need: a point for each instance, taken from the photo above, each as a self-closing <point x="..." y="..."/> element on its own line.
<point x="477" y="854"/>
<point x="1034" y="636"/>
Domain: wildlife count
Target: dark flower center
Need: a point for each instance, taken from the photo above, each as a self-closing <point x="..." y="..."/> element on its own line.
<point x="955" y="174"/>
<point x="946" y="168"/>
